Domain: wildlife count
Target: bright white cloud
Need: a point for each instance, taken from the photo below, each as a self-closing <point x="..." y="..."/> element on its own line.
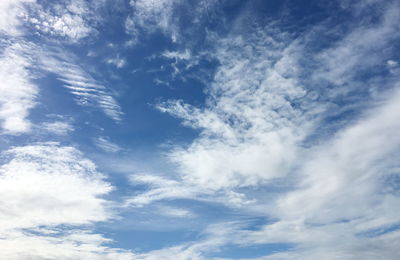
<point x="65" y="191"/>
<point x="44" y="186"/>
<point x="18" y="93"/>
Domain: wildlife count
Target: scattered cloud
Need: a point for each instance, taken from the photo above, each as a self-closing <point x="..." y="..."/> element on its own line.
<point x="117" y="62"/>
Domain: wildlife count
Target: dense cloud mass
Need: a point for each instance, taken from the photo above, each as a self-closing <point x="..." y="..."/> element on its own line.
<point x="212" y="129"/>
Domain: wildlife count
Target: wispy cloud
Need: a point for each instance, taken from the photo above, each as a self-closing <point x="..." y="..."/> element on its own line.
<point x="250" y="129"/>
<point x="87" y="90"/>
<point x="150" y="16"/>
<point x="18" y="92"/>
<point x="174" y="212"/>
<point x="106" y="145"/>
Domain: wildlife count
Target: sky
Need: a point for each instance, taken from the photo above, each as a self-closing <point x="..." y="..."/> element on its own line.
<point x="199" y="129"/>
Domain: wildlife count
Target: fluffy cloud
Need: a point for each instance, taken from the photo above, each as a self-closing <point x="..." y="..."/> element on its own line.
<point x="45" y="187"/>
<point x="65" y="191"/>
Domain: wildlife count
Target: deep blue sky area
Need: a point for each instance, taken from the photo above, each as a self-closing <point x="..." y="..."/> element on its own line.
<point x="195" y="130"/>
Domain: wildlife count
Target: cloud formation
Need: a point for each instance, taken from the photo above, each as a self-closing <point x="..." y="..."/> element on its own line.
<point x="45" y="188"/>
<point x="268" y="120"/>
<point x="294" y="147"/>
<point x="18" y="92"/>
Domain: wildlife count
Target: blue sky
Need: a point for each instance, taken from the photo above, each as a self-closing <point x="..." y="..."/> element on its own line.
<point x="208" y="129"/>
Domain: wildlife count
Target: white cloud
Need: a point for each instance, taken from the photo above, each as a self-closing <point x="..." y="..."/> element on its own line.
<point x="18" y="93"/>
<point x="65" y="191"/>
<point x="59" y="245"/>
<point x="266" y="120"/>
<point x="343" y="195"/>
<point x="73" y="19"/>
<point x="177" y="55"/>
<point x="10" y="16"/>
<point x="249" y="130"/>
<point x="43" y="188"/>
<point x="182" y="61"/>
